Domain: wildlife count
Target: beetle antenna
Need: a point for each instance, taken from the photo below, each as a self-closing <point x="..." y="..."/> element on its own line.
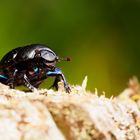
<point x="65" y="59"/>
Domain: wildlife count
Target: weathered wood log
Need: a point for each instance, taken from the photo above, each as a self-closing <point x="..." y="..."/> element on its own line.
<point x="80" y="115"/>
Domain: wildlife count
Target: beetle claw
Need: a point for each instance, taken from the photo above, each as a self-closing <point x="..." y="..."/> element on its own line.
<point x="67" y="89"/>
<point x="11" y="85"/>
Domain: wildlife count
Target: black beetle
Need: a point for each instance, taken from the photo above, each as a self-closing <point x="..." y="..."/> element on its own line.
<point x="29" y="66"/>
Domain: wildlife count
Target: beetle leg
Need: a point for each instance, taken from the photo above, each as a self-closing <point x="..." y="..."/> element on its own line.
<point x="67" y="88"/>
<point x="3" y="78"/>
<point x="57" y="72"/>
<point x="12" y="79"/>
<point x="28" y="84"/>
<point x="55" y="84"/>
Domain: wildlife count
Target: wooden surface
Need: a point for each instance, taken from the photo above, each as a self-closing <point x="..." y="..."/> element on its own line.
<point x="80" y="115"/>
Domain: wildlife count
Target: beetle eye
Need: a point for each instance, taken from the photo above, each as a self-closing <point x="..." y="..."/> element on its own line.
<point x="49" y="56"/>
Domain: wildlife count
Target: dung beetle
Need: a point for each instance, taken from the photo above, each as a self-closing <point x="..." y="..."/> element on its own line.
<point x="30" y="65"/>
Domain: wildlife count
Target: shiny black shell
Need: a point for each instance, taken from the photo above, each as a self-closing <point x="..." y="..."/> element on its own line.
<point x="21" y="54"/>
<point x="9" y="58"/>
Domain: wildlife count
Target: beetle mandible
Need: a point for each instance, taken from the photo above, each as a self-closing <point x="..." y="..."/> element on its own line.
<point x="29" y="66"/>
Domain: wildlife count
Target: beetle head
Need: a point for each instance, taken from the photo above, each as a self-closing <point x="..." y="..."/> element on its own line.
<point x="48" y="57"/>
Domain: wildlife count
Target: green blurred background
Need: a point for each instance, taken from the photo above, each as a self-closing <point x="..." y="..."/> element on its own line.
<point x="101" y="36"/>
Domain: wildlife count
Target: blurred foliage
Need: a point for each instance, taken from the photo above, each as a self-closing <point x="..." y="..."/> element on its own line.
<point x="101" y="37"/>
